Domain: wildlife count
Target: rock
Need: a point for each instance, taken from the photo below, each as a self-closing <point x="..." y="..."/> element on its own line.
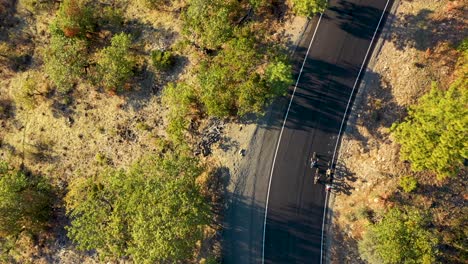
<point x="210" y="136"/>
<point x="242" y="152"/>
<point x="70" y="121"/>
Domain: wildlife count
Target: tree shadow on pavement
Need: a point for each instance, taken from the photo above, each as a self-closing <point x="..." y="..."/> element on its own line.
<point x="360" y="16"/>
<point x="241" y="233"/>
<point x="294" y="234"/>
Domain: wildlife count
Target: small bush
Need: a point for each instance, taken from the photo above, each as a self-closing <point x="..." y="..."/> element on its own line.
<point x="463" y="46"/>
<point x="65" y="59"/>
<point x="434" y="134"/>
<point x="25" y="202"/>
<point x="364" y="212"/>
<point x="308" y="8"/>
<point x="101" y="159"/>
<point x="142" y="126"/>
<point x="162" y="60"/>
<point x="115" y="64"/>
<point x="179" y="99"/>
<point x="408" y="183"/>
<point x="28" y="89"/>
<point x="75" y="18"/>
<point x="402" y="236"/>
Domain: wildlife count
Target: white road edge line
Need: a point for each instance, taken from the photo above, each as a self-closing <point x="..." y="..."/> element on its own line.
<point x="343" y="120"/>
<point x="281" y="133"/>
<point x="356" y="81"/>
<point x="323" y="226"/>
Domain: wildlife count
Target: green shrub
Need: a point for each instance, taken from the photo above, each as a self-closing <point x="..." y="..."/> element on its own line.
<point x="434" y="134"/>
<point x="235" y="82"/>
<point x="208" y="22"/>
<point x="142" y="126"/>
<point x="178" y="98"/>
<point x="25" y="202"/>
<point x="463" y="46"/>
<point x="26" y="91"/>
<point x="65" y="59"/>
<point x="115" y="64"/>
<point x="152" y="213"/>
<point x="74" y="18"/>
<point x="308" y="8"/>
<point x="101" y="159"/>
<point x="162" y="60"/>
<point x="402" y="236"/>
<point x="408" y="183"/>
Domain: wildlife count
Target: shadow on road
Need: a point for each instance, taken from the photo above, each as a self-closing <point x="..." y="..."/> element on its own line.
<point x="359" y="16"/>
<point x="421" y="31"/>
<point x="294" y="234"/>
<point x="242" y="239"/>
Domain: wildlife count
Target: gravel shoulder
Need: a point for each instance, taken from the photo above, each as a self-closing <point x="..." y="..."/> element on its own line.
<point x="415" y="49"/>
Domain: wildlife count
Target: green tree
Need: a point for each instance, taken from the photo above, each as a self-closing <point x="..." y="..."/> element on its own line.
<point x="400" y="237"/>
<point x="115" y="64"/>
<point x="278" y="77"/>
<point x="208" y="23"/>
<point x="235" y="83"/>
<point x="25" y="203"/>
<point x="217" y="92"/>
<point x="65" y="59"/>
<point x="308" y="8"/>
<point x="434" y="134"/>
<point x="154" y="212"/>
<point x="74" y="18"/>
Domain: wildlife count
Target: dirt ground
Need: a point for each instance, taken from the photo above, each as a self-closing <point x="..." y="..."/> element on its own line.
<point x="417" y="48"/>
<point x="65" y="137"/>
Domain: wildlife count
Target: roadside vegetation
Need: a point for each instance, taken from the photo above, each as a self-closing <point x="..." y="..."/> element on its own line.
<point x="153" y="212"/>
<point x="433" y="139"/>
<point x="101" y="105"/>
<point x="434" y="134"/>
<point x="403" y="192"/>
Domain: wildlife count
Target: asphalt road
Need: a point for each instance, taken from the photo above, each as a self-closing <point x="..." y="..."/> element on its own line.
<point x="293" y="232"/>
<point x="295" y="205"/>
